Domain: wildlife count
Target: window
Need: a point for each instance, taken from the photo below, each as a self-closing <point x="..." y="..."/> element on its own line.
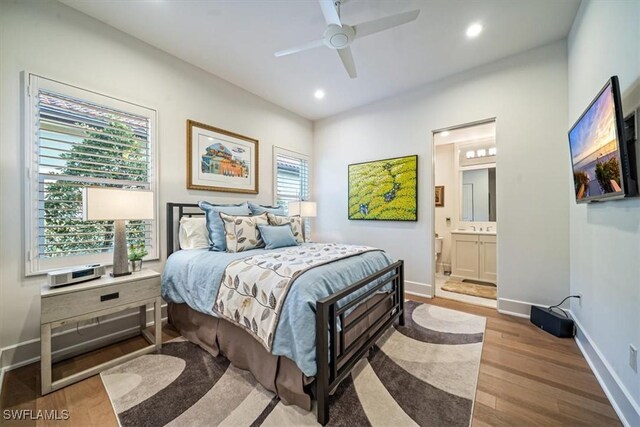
<point x="78" y="138"/>
<point x="291" y="180"/>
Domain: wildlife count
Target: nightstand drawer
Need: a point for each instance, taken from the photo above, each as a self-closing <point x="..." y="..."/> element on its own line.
<point x="64" y="306"/>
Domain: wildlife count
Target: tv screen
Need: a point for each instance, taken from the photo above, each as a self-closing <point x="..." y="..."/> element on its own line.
<point x="596" y="148"/>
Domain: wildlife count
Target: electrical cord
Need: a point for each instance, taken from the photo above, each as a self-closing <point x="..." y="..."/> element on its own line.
<point x="560" y="303"/>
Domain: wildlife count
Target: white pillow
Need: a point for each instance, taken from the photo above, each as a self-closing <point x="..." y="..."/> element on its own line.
<point x="193" y="233"/>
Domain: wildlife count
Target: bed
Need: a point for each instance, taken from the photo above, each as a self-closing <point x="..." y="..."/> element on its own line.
<point x="331" y="317"/>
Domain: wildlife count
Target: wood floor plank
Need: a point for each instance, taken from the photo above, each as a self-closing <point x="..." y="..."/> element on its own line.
<point x="588" y="416"/>
<point x="527" y="377"/>
<point x="555" y="375"/>
<point x="485" y="398"/>
<point x="501" y="376"/>
<point x="527" y="346"/>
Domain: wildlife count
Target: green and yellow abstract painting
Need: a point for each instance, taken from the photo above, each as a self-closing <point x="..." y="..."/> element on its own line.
<point x="384" y="189"/>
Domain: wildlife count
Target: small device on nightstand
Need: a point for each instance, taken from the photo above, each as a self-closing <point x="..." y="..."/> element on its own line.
<point x="89" y="300"/>
<point x="73" y="275"/>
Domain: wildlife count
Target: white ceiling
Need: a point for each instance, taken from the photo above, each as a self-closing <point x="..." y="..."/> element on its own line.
<point x="236" y="40"/>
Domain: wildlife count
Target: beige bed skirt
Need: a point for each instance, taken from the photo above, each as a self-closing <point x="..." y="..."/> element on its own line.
<point x="220" y="337"/>
<point x="278" y="374"/>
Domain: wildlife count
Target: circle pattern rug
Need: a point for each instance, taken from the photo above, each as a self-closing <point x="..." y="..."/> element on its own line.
<point x="424" y="373"/>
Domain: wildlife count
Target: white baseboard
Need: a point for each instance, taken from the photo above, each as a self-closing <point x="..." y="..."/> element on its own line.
<point x="417" y="288"/>
<point x="69" y="343"/>
<point x="623" y="403"/>
<point x="514" y="307"/>
<point x="418" y="294"/>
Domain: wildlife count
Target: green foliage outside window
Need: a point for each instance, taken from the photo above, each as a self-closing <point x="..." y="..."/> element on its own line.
<point x="111" y="153"/>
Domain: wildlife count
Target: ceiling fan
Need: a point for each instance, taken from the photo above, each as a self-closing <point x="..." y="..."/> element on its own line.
<point x="339" y="36"/>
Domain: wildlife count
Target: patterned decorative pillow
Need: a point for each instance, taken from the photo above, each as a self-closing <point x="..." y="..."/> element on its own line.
<point x="241" y="232"/>
<point x="214" y="223"/>
<point x="295" y="221"/>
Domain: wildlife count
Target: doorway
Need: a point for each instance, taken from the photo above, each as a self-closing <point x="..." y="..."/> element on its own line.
<point x="465" y="217"/>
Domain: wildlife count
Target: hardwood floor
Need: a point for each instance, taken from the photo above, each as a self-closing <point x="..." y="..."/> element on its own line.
<point x="527" y="377"/>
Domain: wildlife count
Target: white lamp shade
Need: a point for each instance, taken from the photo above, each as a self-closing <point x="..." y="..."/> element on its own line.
<point x="304" y="209"/>
<point x="107" y="204"/>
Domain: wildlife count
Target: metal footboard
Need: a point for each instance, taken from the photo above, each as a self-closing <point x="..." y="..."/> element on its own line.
<point x="335" y="360"/>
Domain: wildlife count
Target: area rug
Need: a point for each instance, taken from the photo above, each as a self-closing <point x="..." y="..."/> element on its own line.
<point x="424" y="373"/>
<point x="469" y="288"/>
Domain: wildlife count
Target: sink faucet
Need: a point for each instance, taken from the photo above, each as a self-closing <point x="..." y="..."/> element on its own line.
<point x="474" y="227"/>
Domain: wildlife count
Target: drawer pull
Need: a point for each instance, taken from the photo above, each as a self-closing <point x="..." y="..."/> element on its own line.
<point x="108" y="297"/>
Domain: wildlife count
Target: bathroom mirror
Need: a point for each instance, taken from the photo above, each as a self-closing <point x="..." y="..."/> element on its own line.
<point x="478" y="194"/>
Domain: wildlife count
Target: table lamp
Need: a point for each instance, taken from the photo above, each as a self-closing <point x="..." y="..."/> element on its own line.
<point x="305" y="209"/>
<point x="117" y="205"/>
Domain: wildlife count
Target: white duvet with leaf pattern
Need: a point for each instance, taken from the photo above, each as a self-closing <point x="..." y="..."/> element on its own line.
<point x="254" y="289"/>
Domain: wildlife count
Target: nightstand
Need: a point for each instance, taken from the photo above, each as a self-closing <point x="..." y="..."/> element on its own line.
<point x="96" y="298"/>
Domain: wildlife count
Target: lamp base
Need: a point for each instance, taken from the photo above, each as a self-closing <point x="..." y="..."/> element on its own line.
<point x="120" y="259"/>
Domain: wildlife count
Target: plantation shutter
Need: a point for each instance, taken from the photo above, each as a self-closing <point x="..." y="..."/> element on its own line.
<point x="292" y="177"/>
<point x="82" y="143"/>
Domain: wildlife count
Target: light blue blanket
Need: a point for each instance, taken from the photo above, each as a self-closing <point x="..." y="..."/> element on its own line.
<point x="193" y="277"/>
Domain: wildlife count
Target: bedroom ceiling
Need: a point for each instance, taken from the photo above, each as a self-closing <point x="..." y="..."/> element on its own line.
<point x="235" y="40"/>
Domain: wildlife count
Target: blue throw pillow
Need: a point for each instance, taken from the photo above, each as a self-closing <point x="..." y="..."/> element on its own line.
<point x="277" y="236"/>
<point x="258" y="209"/>
<point x="215" y="226"/>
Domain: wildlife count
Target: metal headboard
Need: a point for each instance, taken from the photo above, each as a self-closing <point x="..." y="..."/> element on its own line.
<point x="173" y="222"/>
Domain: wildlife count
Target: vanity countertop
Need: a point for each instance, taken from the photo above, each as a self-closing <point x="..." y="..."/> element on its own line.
<point x="465" y="231"/>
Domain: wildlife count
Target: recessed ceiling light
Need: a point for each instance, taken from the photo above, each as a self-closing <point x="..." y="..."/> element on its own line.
<point x="445" y="133"/>
<point x="319" y="94"/>
<point x="474" y="30"/>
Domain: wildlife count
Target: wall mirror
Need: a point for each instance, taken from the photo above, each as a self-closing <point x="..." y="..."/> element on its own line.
<point x="478" y="194"/>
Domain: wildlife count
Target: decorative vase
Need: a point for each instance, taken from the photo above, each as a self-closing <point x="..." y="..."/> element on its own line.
<point x="136" y="265"/>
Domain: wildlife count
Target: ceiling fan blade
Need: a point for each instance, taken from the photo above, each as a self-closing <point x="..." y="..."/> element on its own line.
<point x="382" y="24"/>
<point x="301" y="48"/>
<point x="347" y="60"/>
<point x="330" y="12"/>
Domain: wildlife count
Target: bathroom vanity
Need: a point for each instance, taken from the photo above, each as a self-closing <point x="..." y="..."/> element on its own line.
<point x="473" y="255"/>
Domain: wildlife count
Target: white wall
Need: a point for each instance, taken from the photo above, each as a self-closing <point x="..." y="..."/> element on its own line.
<point x="527" y="93"/>
<point x="445" y="175"/>
<point x="55" y="41"/>
<point x="605" y="238"/>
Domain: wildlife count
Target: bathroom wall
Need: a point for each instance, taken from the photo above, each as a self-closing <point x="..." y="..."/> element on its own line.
<point x="445" y="175"/>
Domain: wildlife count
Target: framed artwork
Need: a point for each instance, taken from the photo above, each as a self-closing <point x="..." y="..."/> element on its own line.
<point x="219" y="160"/>
<point x="385" y="190"/>
<point x="439" y="197"/>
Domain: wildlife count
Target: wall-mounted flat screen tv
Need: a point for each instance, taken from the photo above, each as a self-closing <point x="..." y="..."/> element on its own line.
<point x="598" y="149"/>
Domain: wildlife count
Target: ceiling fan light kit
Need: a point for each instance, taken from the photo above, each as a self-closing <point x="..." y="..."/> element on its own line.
<point x="339" y="36"/>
